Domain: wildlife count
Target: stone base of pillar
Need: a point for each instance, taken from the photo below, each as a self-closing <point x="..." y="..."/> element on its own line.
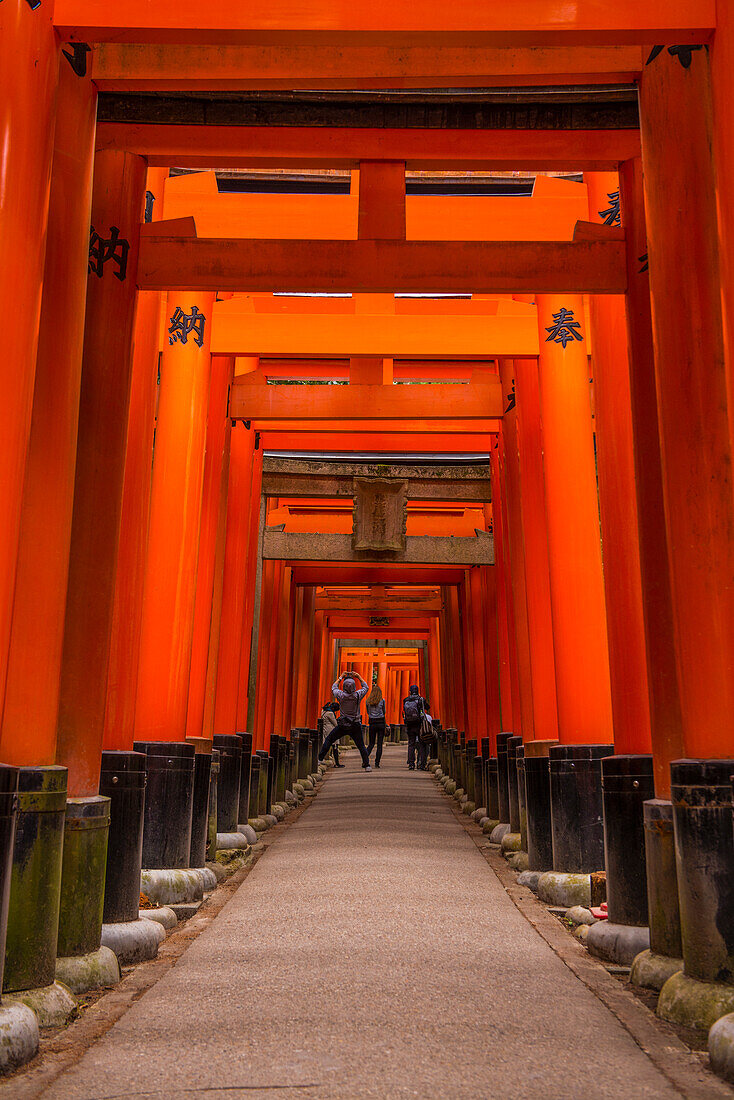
<point x="133" y="941"/>
<point x="259" y="824"/>
<point x="249" y="833"/>
<point x="489" y="825"/>
<point x="468" y="807"/>
<point x="52" y="1004"/>
<point x="163" y="915"/>
<point x="617" y="943"/>
<point x="691" y="1003"/>
<point x="18" y="1036"/>
<point x="721" y="1047"/>
<point x="651" y="971"/>
<point x="511" y="842"/>
<point x="232" y="842"/>
<point x="565" y="889"/>
<point x="479" y="814"/>
<point x="517" y="861"/>
<point x="499" y="832"/>
<point x="173" y="886"/>
<point x="530" y="879"/>
<point x="278" y="811"/>
<point x="95" y="970"/>
<point x="271" y="820"/>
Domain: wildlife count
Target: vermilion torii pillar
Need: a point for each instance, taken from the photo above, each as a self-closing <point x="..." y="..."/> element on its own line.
<point x="29" y="719"/>
<point x="29" y="61"/>
<point x="693" y="388"/>
<point x="574" y="547"/>
<point x="617" y="496"/>
<point x="117" y="210"/>
<point x="122" y="675"/>
<point x="218" y="428"/>
<point x="521" y="389"/>
<point x="173" y="540"/>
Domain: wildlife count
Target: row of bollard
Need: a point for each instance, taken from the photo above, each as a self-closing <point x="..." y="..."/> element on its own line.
<point x="562" y="813"/>
<point x="170" y="821"/>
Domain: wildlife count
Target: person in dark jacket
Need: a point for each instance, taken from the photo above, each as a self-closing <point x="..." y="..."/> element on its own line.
<point x="413" y="710"/>
<point x="329" y="712"/>
<point x="376" y="717"/>
<point x="349" y="698"/>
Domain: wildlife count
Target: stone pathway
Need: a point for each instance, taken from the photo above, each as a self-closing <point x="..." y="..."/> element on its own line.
<point x="372" y="952"/>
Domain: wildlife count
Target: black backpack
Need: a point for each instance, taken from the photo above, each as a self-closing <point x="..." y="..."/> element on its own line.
<point x="413" y="708"/>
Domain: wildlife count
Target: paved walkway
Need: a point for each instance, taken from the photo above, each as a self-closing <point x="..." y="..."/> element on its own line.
<point x="371" y="953"/>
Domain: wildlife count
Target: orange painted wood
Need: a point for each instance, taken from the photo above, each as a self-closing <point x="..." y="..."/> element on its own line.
<point x="509" y="697"/>
<point x="140" y="67"/>
<point x="234" y="580"/>
<point x="217" y="595"/>
<point x="574" y="547"/>
<point x="29" y="718"/>
<point x="253" y="549"/>
<point x="693" y="386"/>
<point x="211" y="147"/>
<point x="508" y="267"/>
<point x="217" y="428"/>
<point x="169" y="591"/>
<point x="535" y="540"/>
<point x="509" y="470"/>
<point x="722" y="75"/>
<point x="429" y="402"/>
<point x="117" y="200"/>
<point x="534" y="23"/>
<point x="122" y="673"/>
<point x="381" y="197"/>
<point x="618" y="506"/>
<point x="29" y="57"/>
<point x="665" y="712"/>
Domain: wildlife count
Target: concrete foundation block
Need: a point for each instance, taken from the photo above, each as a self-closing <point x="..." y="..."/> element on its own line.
<point x="133" y="941"/>
<point x="529" y="879"/>
<point x="468" y="807"/>
<point x="459" y="794"/>
<point x="518" y="861"/>
<point x="499" y="831"/>
<point x="579" y="914"/>
<point x="721" y="1047"/>
<point x="271" y="819"/>
<point x="186" y="910"/>
<point x="249" y="833"/>
<point x="164" y="916"/>
<point x="18" y="1036"/>
<point x="278" y="812"/>
<point x="479" y="814"/>
<point x="227" y="841"/>
<point x="450" y="787"/>
<point x="511" y="842"/>
<point x="618" y="943"/>
<point x="53" y="1004"/>
<point x="299" y="791"/>
<point x="433" y="768"/>
<point x="232" y="859"/>
<point x="290" y="799"/>
<point x="259" y="824"/>
<point x="217" y="870"/>
<point x="489" y="826"/>
<point x="171" y="886"/>
<point x="307" y="784"/>
<point x="691" y="1003"/>
<point x="96" y="970"/>
<point x="651" y="971"/>
<point x="562" y="888"/>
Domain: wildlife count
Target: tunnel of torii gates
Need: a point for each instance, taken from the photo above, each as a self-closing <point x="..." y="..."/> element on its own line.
<point x="494" y="277"/>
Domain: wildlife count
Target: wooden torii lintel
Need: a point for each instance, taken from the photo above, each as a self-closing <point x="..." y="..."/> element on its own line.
<point x="297" y="546"/>
<point x="383" y="266"/>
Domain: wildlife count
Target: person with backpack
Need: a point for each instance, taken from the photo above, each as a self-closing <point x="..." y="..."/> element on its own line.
<point x="329" y="712"/>
<point x="376" y="718"/>
<point x="349" y="698"/>
<point x="413" y="710"/>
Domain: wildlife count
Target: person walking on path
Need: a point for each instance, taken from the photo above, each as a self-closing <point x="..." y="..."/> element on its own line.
<point x="328" y="719"/>
<point x="348" y="697"/>
<point x="424" y="742"/>
<point x="414" y="708"/>
<point x="376" y="717"/>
